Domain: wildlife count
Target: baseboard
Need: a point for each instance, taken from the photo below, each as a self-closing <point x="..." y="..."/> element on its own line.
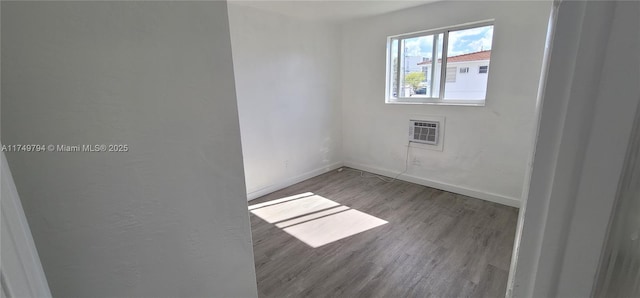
<point x="487" y="196"/>
<point x="291" y="181"/>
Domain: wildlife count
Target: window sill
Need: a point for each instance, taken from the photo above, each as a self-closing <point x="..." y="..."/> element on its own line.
<point x="474" y="103"/>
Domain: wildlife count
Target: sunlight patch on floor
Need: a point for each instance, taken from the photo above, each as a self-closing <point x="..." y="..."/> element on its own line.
<point x="289" y="209"/>
<point x="313" y="219"/>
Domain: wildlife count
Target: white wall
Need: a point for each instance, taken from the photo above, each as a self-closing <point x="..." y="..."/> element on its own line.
<point x="167" y="219"/>
<point x="288" y="85"/>
<point x="486" y="149"/>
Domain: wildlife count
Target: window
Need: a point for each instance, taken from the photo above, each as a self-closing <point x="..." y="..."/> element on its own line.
<point x="418" y="72"/>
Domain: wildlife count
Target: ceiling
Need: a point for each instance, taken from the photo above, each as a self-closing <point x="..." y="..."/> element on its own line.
<point x="330" y="10"/>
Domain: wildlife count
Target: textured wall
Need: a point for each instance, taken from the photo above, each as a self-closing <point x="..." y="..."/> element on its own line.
<point x="169" y="217"/>
<point x="288" y="84"/>
<point x="486" y="149"/>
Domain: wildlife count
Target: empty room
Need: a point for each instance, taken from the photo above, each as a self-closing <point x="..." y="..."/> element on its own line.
<point x="432" y="148"/>
<point x="373" y="169"/>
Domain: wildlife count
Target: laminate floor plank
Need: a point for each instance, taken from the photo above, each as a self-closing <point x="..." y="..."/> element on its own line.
<point x="434" y="244"/>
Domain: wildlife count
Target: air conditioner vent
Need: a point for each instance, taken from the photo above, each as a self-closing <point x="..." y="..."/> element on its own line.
<point x="425" y="132"/>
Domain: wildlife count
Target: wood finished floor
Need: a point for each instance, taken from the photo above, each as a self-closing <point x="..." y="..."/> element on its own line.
<point x="436" y="244"/>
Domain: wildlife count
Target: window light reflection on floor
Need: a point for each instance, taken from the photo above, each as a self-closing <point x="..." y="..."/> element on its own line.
<point x="313" y="219"/>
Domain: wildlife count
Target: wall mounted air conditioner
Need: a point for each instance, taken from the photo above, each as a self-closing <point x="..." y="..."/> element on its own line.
<point x="425" y="132"/>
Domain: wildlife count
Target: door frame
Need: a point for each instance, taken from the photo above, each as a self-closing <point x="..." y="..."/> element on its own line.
<point x="587" y="106"/>
<point x="21" y="273"/>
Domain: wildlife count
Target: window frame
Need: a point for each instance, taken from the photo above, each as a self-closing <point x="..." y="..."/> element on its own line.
<point x="440" y="100"/>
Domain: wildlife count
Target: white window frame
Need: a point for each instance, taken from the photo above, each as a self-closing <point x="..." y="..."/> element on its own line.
<point x="464" y="70"/>
<point x="440" y="100"/>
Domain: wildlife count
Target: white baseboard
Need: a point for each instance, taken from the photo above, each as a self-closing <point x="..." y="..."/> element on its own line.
<point x="291" y="181"/>
<point x="487" y="196"/>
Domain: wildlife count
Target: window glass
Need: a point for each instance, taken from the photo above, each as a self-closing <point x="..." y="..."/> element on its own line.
<point x="468" y="48"/>
<point x="417" y="53"/>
